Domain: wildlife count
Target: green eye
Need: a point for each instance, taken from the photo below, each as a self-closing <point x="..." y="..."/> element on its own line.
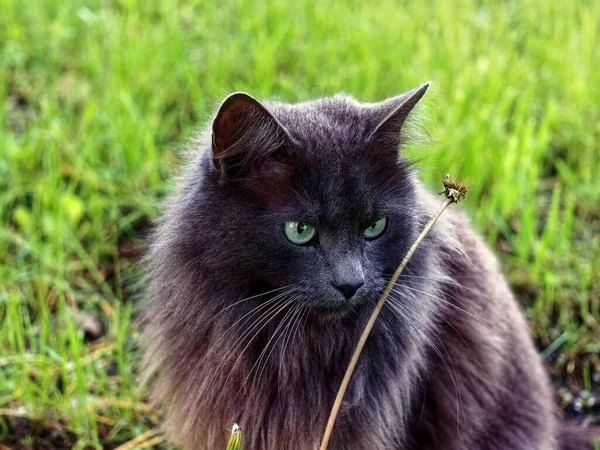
<point x="376" y="228"/>
<point x="299" y="233"/>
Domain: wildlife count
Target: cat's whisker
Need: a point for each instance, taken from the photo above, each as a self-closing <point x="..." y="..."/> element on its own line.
<point x="445" y="280"/>
<point x="405" y="305"/>
<point x="268" y="315"/>
<point x="281" y="324"/>
<point x="423" y="282"/>
<point x="462" y="286"/>
<point x="446" y="302"/>
<point x="398" y="308"/>
<point x="282" y="307"/>
<point x="440" y="316"/>
<point x="391" y="322"/>
<point x="383" y="313"/>
<point x="248" y="316"/>
<point x="263" y="319"/>
<point x="288" y="326"/>
<point x="291" y="334"/>
<point x="399" y="284"/>
<point x="250" y="298"/>
<point x="453" y="297"/>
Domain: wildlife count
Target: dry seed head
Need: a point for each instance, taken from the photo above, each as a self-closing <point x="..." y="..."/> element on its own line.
<point x="453" y="189"/>
<point x="235" y="440"/>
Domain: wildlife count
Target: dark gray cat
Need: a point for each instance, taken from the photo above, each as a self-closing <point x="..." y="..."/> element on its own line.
<point x="287" y="224"/>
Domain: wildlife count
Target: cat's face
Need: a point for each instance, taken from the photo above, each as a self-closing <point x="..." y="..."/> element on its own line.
<point x="325" y="191"/>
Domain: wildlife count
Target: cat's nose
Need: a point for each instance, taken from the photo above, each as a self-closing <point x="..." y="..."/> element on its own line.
<point x="349" y="288"/>
<point x="347" y="274"/>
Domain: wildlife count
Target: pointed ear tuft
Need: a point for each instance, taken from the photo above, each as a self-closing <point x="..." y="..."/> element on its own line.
<point x="243" y="131"/>
<point x="394" y="113"/>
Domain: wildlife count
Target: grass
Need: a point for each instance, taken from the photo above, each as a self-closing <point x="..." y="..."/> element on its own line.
<point x="96" y="97"/>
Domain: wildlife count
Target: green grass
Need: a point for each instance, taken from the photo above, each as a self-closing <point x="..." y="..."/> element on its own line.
<point x="96" y="98"/>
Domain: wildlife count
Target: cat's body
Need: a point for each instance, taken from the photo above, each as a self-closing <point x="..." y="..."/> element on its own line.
<point x="245" y="326"/>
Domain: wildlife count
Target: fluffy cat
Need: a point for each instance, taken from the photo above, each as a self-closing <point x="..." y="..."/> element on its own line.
<point x="287" y="224"/>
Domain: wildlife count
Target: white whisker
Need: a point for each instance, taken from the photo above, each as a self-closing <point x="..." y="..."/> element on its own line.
<point x="282" y="323"/>
<point x="451" y="282"/>
<point x="285" y="304"/>
<point x="441" y="300"/>
<point x="247" y="317"/>
<point x="268" y="315"/>
<point x="397" y="307"/>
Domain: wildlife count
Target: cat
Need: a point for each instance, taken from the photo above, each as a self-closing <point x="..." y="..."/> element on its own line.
<point x="287" y="223"/>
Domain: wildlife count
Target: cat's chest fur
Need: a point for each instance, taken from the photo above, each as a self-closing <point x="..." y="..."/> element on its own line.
<point x="290" y="395"/>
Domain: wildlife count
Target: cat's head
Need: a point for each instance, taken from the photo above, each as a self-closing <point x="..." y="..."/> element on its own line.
<point x="313" y="201"/>
<point x="315" y="196"/>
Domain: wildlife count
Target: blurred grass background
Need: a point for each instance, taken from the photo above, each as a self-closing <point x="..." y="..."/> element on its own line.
<point x="97" y="97"/>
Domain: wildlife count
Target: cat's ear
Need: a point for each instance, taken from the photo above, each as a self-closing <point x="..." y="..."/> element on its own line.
<point x="243" y="132"/>
<point x="392" y="114"/>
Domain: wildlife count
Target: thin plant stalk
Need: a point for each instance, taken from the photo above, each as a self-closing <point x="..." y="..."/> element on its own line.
<point x="453" y="192"/>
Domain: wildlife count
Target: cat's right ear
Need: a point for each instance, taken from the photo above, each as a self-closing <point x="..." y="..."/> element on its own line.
<point x="244" y="132"/>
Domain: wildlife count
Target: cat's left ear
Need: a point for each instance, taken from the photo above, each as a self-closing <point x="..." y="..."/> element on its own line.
<point x="392" y="115"/>
<point x="243" y="132"/>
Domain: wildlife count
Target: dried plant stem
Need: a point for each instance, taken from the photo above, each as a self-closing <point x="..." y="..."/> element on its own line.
<point x="139" y="441"/>
<point x="365" y="334"/>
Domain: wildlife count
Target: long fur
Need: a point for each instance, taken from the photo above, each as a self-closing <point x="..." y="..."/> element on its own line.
<point x="243" y="326"/>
